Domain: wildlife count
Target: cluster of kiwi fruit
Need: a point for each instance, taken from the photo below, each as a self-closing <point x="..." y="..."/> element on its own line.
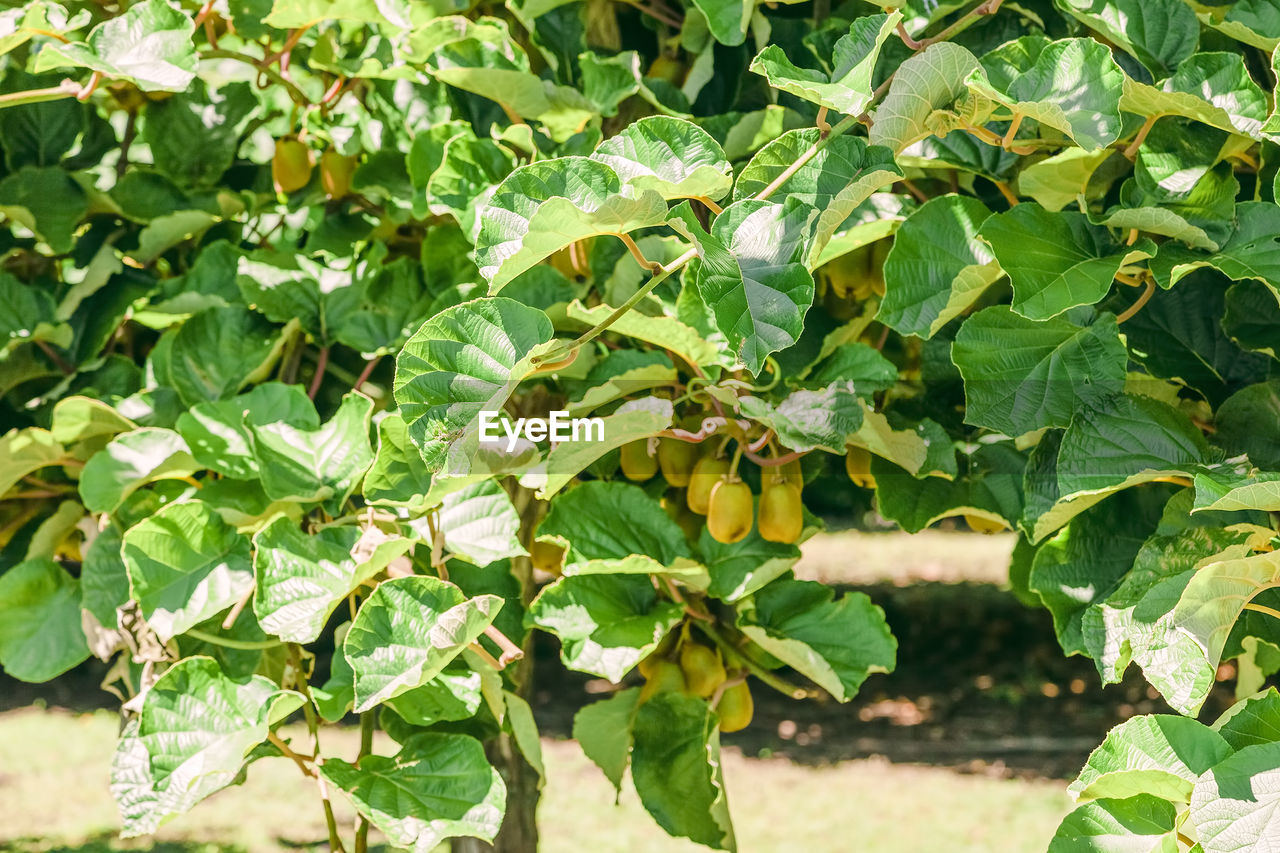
<point x="697" y="670"/>
<point x="712" y="489"/>
<point x="291" y="168"/>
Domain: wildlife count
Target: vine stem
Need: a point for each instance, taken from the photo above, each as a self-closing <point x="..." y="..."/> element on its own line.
<point x="366" y="373"/>
<point x="1137" y="305"/>
<point x="808" y="154"/>
<point x="591" y="334"/>
<point x="1131" y="150"/>
<point x="299" y="97"/>
<point x="321" y="363"/>
<point x="367" y="720"/>
<point x="227" y="642"/>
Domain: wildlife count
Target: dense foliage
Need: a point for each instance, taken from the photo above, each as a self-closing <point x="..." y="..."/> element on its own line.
<point x="266" y="263"/>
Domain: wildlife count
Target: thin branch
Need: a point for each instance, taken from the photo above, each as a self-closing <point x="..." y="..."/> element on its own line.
<point x="321" y="363"/>
<point x="510" y="651"/>
<point x="483" y="654"/>
<point x="594" y="331"/>
<point x="645" y="263"/>
<point x="1141" y="301"/>
<point x="367" y="720"/>
<point x="227" y="642"/>
<point x="1131" y="150"/>
<point x="299" y="97"/>
<point x="906" y="37"/>
<point x="238" y="608"/>
<point x="303" y="762"/>
<point x="807" y="155"/>
<point x="709" y="204"/>
<point x="366" y="373"/>
<point x="774" y="461"/>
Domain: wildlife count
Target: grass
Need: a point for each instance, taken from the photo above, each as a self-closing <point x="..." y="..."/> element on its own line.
<point x="54" y="796"/>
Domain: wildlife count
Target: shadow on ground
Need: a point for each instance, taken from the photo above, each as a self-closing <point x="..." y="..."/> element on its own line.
<point x="981" y="686"/>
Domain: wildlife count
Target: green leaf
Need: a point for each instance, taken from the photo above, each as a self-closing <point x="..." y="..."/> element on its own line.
<point x="40" y="634"/>
<point x="937" y="267"/>
<point x="1161" y="34"/>
<point x="1081" y="565"/>
<point x="302" y="577"/>
<point x="480" y="524"/>
<point x="807" y="420"/>
<point x="438" y="786"/>
<point x="672" y="157"/>
<point x="752" y="274"/>
<point x="1059" y="180"/>
<point x="603" y="730"/>
<point x="1022" y="375"/>
<point x="46" y="200"/>
<point x="408" y="631"/>
<point x="454" y="694"/>
<point x="185" y="565"/>
<point x="1135" y="622"/>
<point x="219" y="351"/>
<point x="1211" y="88"/>
<point x="104" y="583"/>
<point x="219" y="433"/>
<point x="194" y="731"/>
<point x="82" y="418"/>
<point x="847" y="89"/>
<point x="324" y="464"/>
<point x="676" y="738"/>
<point x="1216" y="597"/>
<point x="1252" y="721"/>
<point x="1158" y="754"/>
<point x="727" y="20"/>
<point x="991" y="489"/>
<point x="1070" y="85"/>
<point x="468" y="172"/>
<point x="835" y="643"/>
<point x="740" y="568"/>
<point x="465" y="360"/>
<point x="543" y="207"/>
<point x="1234" y="806"/>
<point x="131" y="461"/>
<point x="149" y="45"/>
<point x="606" y="623"/>
<point x="1056" y="261"/>
<point x="28" y="314"/>
<point x="1130" y="439"/>
<point x="398" y="476"/>
<point x="924" y="88"/>
<point x="1138" y="824"/>
<point x="25" y="451"/>
<point x="1251" y="252"/>
<point x="610" y="521"/>
<point x="835" y="181"/>
<point x="284" y="287"/>
<point x="194" y="135"/>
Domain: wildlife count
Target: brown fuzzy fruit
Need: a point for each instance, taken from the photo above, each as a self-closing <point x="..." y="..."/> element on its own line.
<point x="637" y="464"/>
<point x="706" y="473"/>
<point x="335" y="173"/>
<point x="676" y="458"/>
<point x="730" y="511"/>
<point x="857" y="464"/>
<point x="781" y="513"/>
<point x="290" y="166"/>
<point x="703" y="670"/>
<point x="666" y="677"/>
<point x="736" y="708"/>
